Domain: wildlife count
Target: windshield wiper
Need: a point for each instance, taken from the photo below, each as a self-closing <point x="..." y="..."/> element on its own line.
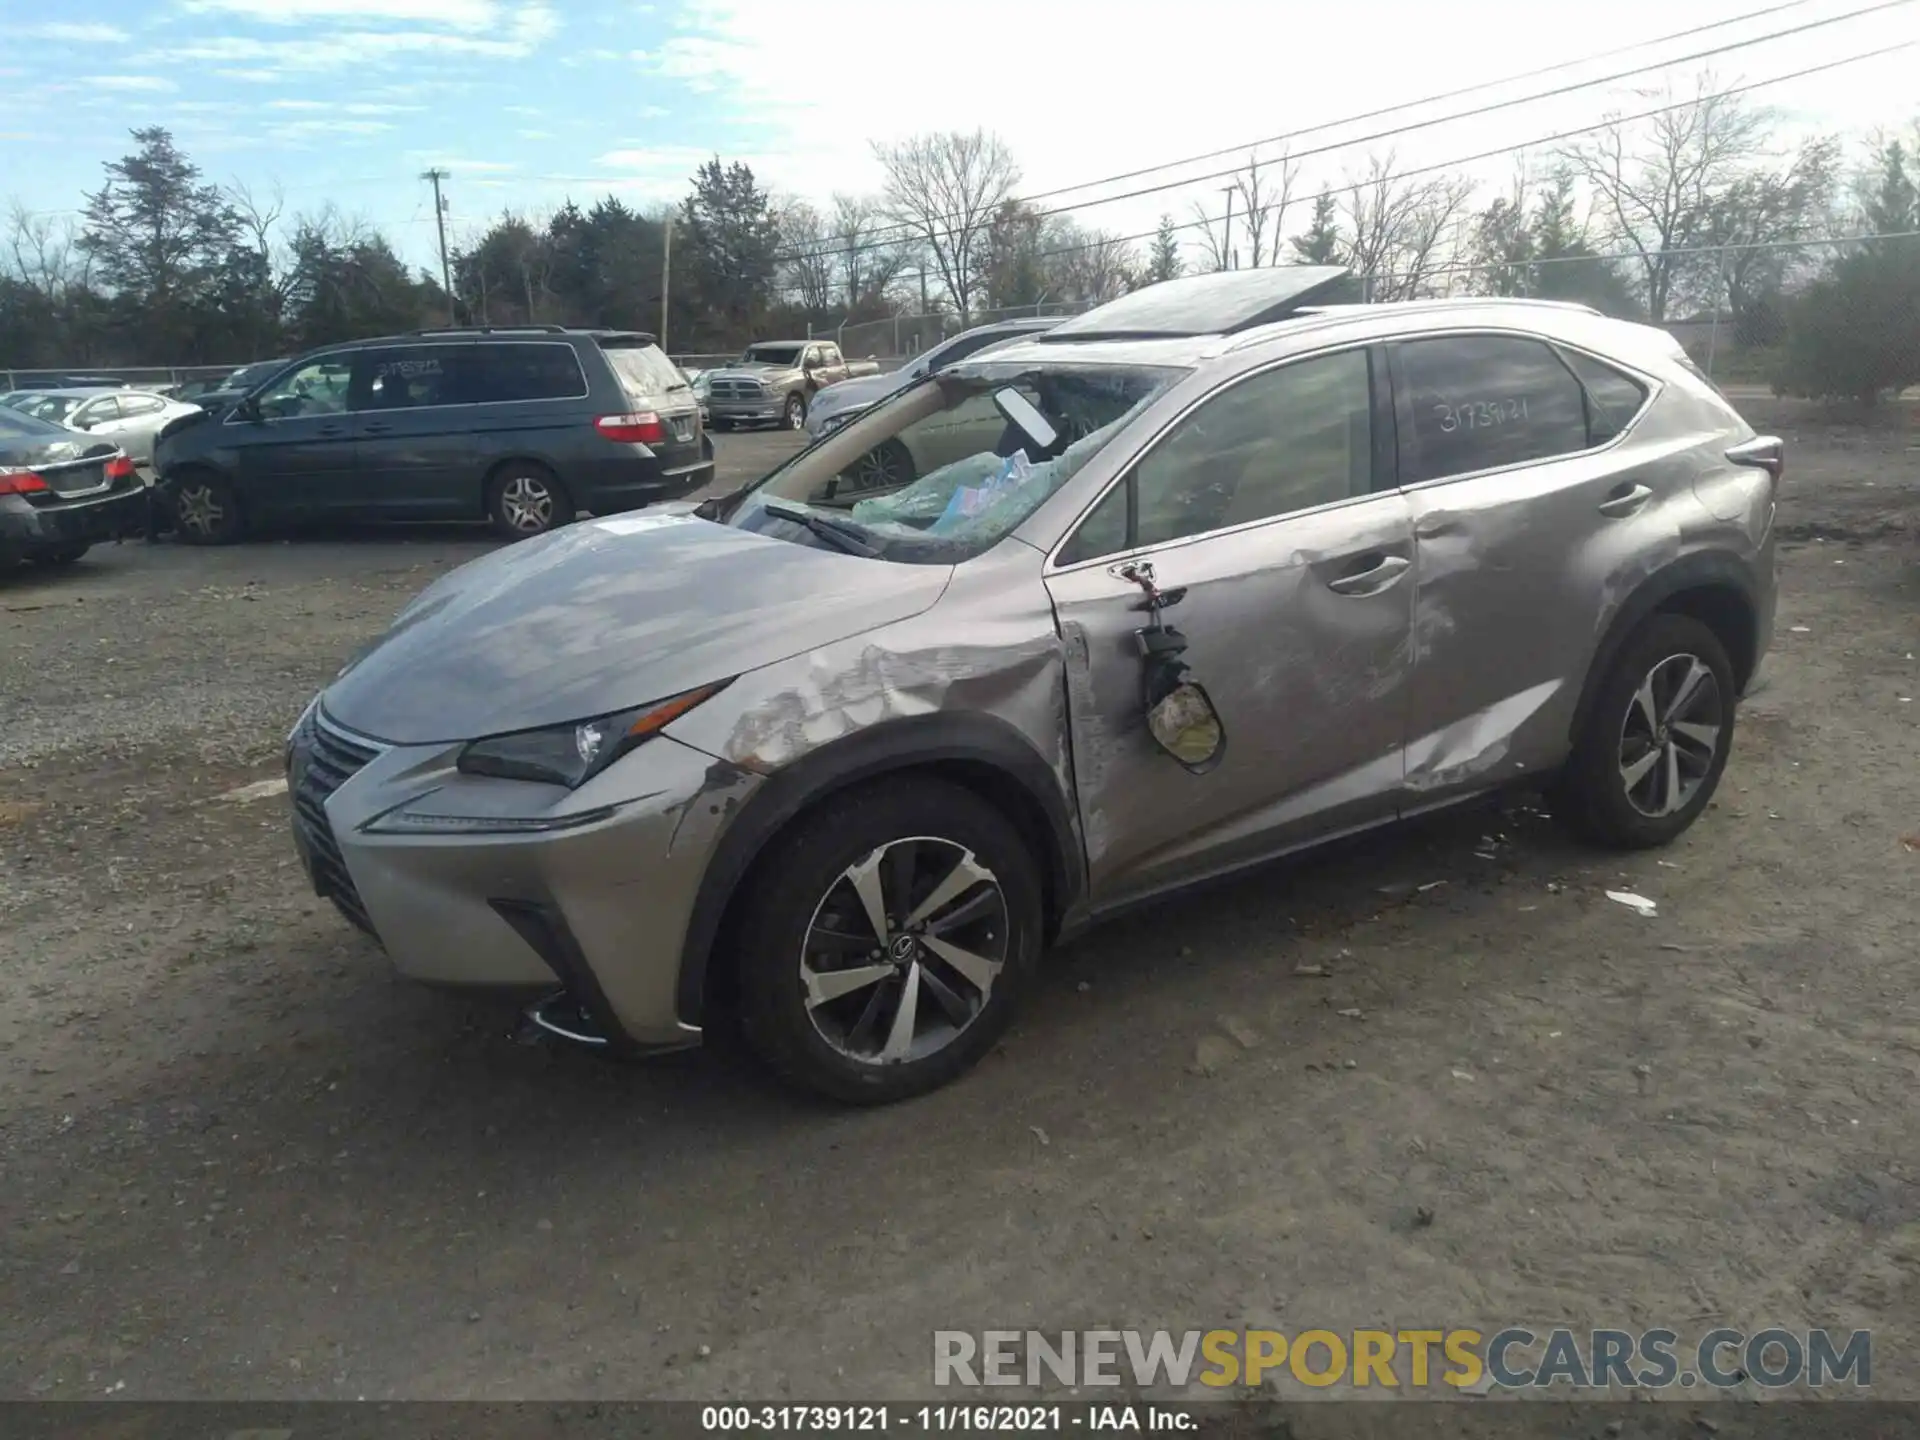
<point x="842" y="536"/>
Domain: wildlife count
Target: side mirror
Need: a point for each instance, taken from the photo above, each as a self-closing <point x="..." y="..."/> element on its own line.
<point x="78" y="423"/>
<point x="1184" y="723"/>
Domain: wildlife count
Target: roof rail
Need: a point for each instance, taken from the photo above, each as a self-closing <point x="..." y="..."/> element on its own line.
<point x="492" y="330"/>
<point x="1309" y="315"/>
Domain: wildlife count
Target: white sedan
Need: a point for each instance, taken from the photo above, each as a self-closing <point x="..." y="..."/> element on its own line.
<point x="130" y="418"/>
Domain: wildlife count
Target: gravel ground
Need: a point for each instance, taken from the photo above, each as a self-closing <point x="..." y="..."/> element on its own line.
<point x="239" y="1159"/>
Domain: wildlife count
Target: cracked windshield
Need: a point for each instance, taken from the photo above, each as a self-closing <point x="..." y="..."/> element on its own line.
<point x="953" y="466"/>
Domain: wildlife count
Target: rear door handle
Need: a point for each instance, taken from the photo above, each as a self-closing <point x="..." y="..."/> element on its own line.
<point x="371" y="430"/>
<point x="1376" y="577"/>
<point x="1625" y="499"/>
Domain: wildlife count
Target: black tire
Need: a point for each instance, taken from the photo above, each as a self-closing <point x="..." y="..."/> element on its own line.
<point x="205" y="509"/>
<point x="721" y="425"/>
<point x="53" y="559"/>
<point x="1596" y="795"/>
<point x="803" y="878"/>
<point x="525" y="500"/>
<point x="794" y="417"/>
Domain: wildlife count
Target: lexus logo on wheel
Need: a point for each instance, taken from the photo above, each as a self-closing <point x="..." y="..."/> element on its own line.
<point x="902" y="949"/>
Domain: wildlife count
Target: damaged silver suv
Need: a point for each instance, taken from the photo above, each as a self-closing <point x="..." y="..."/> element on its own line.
<point x="1194" y="580"/>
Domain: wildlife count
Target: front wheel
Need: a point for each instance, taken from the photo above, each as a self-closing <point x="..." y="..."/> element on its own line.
<point x="888" y="940"/>
<point x="1655" y="744"/>
<point x="206" y="511"/>
<point x="795" y="417"/>
<point x="526" y="500"/>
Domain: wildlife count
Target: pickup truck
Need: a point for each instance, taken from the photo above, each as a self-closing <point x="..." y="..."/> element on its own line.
<point x="773" y="383"/>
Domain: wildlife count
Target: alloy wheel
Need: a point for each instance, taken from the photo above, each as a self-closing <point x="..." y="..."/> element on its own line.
<point x="527" y="503"/>
<point x="902" y="951"/>
<point x="198" y="509"/>
<point x="796" y="412"/>
<point x="1670" y="735"/>
<point x="879" y="469"/>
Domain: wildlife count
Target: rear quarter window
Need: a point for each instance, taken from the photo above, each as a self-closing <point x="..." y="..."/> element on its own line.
<point x="1478" y="402"/>
<point x="644" y="371"/>
<point x="1613" y="399"/>
<point x="526" y="371"/>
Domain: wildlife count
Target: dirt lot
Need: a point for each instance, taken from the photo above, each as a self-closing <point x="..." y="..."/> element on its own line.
<point x="239" y="1159"/>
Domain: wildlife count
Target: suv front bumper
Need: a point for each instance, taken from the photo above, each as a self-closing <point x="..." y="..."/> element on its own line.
<point x="600" y="909"/>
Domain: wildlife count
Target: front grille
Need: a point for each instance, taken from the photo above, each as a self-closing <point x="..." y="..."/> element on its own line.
<point x="737" y="390"/>
<point x="332" y="758"/>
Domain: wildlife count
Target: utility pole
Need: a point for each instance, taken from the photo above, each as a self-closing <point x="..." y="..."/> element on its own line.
<point x="440" y="222"/>
<point x="666" y="281"/>
<point x="1226" y="249"/>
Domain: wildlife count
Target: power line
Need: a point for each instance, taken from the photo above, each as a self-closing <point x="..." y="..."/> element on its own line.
<point x="904" y="231"/>
<point x="1455" y="164"/>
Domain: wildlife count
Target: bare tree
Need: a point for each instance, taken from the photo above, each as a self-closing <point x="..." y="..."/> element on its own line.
<point x="1218" y="245"/>
<point x="944" y="189"/>
<point x="1087" y="266"/>
<point x="808" y="261"/>
<point x="1399" y="228"/>
<point x="869" y="259"/>
<point x="1264" y="190"/>
<point x="1658" y="183"/>
<point x="1756" y="224"/>
<point x="43" y="253"/>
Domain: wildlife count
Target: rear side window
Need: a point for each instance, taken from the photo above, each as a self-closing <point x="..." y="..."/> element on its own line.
<point x="525" y="371"/>
<point x="1613" y="399"/>
<point x="1477" y="402"/>
<point x="645" y="371"/>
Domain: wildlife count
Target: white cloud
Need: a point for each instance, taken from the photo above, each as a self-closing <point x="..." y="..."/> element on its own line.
<point x="526" y="28"/>
<point x="534" y="134"/>
<point x="456" y="14"/>
<point x="132" y="84"/>
<point x="69" y="32"/>
<point x="294" y="132"/>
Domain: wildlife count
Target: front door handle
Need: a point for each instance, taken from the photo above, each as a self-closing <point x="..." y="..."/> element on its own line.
<point x="1624" y="500"/>
<point x="1385" y="570"/>
<point x="379" y="429"/>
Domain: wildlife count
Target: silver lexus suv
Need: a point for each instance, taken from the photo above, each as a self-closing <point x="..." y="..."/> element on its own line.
<point x="1191" y="581"/>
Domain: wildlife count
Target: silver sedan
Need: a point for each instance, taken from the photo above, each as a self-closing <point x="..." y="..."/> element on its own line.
<point x="132" y="419"/>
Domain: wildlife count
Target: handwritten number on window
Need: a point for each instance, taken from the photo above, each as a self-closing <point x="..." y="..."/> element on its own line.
<point x="1480" y="414"/>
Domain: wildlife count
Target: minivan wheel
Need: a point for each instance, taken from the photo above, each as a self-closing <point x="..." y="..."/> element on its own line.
<point x="1656" y="741"/>
<point x="205" y="510"/>
<point x="886" y="941"/>
<point x="796" y="416"/>
<point x="526" y="500"/>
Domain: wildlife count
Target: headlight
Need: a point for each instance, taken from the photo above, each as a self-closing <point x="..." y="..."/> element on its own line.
<point x="571" y="755"/>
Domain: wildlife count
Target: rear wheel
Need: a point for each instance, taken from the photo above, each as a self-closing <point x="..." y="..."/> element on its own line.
<point x="886" y="941"/>
<point x="1656" y="742"/>
<point x="206" y="511"/>
<point x="64" y="555"/>
<point x="525" y="500"/>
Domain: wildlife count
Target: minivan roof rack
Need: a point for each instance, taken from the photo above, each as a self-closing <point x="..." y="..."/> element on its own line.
<point x="491" y="330"/>
<point x="1222" y="303"/>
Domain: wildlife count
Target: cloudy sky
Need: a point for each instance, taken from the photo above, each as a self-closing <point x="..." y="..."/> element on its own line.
<point x="528" y="102"/>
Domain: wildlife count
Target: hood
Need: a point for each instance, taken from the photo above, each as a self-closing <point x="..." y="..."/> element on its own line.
<point x="606" y="615"/>
<point x="751" y="368"/>
<point x="861" y="390"/>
